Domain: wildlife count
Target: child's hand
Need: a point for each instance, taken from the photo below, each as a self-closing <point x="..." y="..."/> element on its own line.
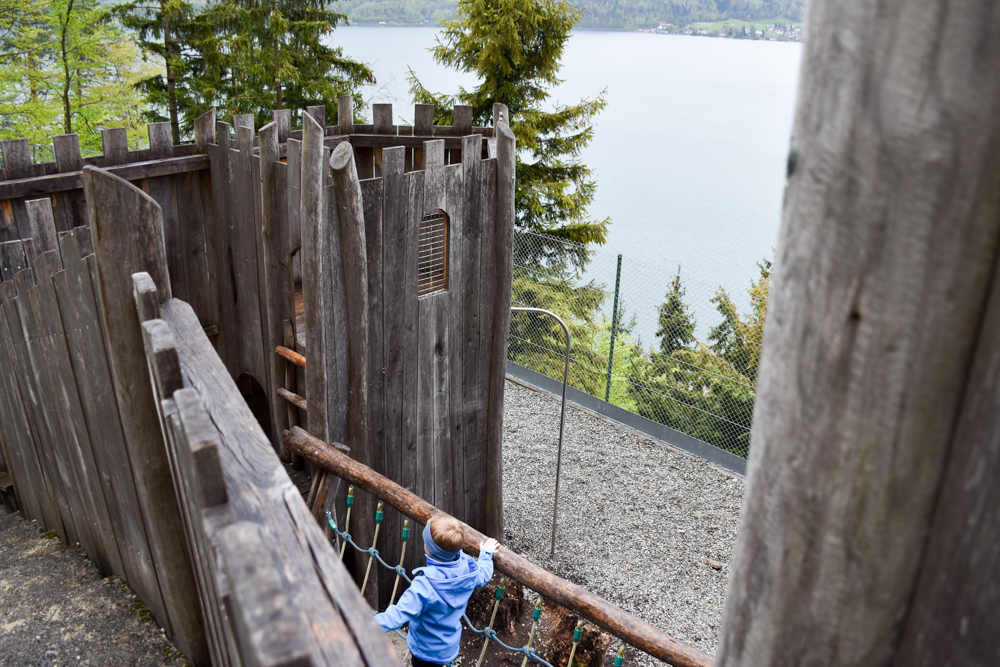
<point x="489" y="545"/>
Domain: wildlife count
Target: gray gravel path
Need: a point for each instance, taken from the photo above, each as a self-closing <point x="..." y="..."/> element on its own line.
<point x="55" y="609"/>
<point x="637" y="517"/>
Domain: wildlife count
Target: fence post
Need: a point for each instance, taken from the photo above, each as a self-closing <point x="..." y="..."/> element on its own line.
<point x="614" y="329"/>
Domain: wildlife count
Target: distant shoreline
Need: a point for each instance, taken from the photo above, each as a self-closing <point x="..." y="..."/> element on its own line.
<point x="694" y="29"/>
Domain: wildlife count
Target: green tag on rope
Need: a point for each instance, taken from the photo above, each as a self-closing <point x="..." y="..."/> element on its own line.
<point x="330" y="522"/>
<point x="350" y="496"/>
<point x="538" y="610"/>
<point x="378" y="514"/>
<point x="406" y="530"/>
<point x="499" y="595"/>
<point x="578" y="633"/>
<point x="620" y="657"/>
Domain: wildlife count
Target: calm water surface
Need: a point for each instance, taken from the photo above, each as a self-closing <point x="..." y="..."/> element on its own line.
<point x="689" y="154"/>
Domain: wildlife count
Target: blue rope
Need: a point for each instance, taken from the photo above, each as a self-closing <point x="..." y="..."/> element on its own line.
<point x="398" y="569"/>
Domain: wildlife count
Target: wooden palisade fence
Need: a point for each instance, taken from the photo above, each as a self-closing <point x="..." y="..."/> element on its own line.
<point x="169" y="482"/>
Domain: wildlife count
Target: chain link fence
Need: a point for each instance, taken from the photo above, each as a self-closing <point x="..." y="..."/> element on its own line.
<point x="668" y="346"/>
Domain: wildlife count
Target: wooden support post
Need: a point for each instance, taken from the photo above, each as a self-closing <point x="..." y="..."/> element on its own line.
<point x="16" y="158"/>
<point x="283" y="118"/>
<point x="423" y="120"/>
<point x="865" y="538"/>
<point x="382" y="119"/>
<point x="66" y="150"/>
<point x="461" y="120"/>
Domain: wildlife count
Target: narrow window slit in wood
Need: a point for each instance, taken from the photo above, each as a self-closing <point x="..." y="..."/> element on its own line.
<point x="432" y="257"/>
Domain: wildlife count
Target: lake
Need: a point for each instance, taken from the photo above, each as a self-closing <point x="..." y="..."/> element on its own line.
<point x="689" y="155"/>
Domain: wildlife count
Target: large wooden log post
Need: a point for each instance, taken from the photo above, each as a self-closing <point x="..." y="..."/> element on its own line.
<point x="880" y="356"/>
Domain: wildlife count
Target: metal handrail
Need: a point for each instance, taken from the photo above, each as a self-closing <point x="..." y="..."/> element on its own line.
<point x="562" y="416"/>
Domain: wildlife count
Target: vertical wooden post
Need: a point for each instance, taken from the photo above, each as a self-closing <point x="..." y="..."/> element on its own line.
<point x="870" y="383"/>
<point x="16" y="158"/>
<point x="345" y="114"/>
<point x="160" y="141"/>
<point x="503" y="234"/>
<point x="42" y="226"/>
<point x="115" y="145"/>
<point x="283" y="117"/>
<point x="204" y="130"/>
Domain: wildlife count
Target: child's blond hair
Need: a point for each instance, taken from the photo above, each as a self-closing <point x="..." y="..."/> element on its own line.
<point x="447" y="532"/>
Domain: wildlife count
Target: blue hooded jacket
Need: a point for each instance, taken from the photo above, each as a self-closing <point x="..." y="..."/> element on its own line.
<point x="434" y="603"/>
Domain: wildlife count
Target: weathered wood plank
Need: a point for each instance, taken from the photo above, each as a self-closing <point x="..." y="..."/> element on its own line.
<point x="345" y="114"/>
<point x="414" y="459"/>
<point x="67" y="404"/>
<point x="503" y="231"/>
<point x="51" y="503"/>
<point x="277" y="253"/>
<point x="476" y="500"/>
<point x="423" y="120"/>
<point x="468" y="333"/>
<point x="461" y="123"/>
<point x="31" y="489"/>
<point x="115" y="146"/>
<point x="885" y="261"/>
<point x="283" y="118"/>
<point x="12" y="259"/>
<point x="204" y="130"/>
<point x="43" y="185"/>
<point x="57" y="468"/>
<point x="41" y="226"/>
<point x="393" y="263"/>
<point x="122" y="250"/>
<point x="78" y="308"/>
<point x="70" y="206"/>
<point x="16" y="158"/>
<point x="382" y="119"/>
<point x="160" y="142"/>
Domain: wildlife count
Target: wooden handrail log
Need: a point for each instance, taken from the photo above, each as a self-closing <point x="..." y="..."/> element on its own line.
<point x="632" y="630"/>
<point x="291" y="355"/>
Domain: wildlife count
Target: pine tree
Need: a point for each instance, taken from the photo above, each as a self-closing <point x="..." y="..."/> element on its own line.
<point x="514" y="47"/>
<point x="739" y="340"/>
<point x="162" y="29"/>
<point x="676" y="325"/>
<point x="261" y="55"/>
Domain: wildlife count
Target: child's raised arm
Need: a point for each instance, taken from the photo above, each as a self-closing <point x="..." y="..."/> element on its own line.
<point x="485" y="562"/>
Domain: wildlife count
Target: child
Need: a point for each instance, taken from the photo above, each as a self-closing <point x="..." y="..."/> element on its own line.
<point x="434" y="603"/>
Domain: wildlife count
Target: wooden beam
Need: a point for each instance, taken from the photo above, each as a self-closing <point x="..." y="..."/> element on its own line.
<point x="72" y="180"/>
<point x="291" y="355"/>
<point x="634" y="631"/>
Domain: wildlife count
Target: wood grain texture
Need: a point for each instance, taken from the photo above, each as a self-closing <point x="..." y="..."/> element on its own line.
<point x="160" y="143"/>
<point x="121" y="250"/>
<point x="115" y="146"/>
<point x="78" y="307"/>
<point x="886" y="253"/>
<point x="277" y="255"/>
<point x="52" y="504"/>
<point x="635" y="631"/>
<point x="345" y="114"/>
<point x="204" y="130"/>
<point x="339" y="627"/>
<point x="503" y="231"/>
<point x="42" y="226"/>
<point x="12" y="259"/>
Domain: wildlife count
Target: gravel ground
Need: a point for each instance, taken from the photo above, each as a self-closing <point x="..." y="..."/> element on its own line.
<point x="637" y="517"/>
<point x="55" y="609"/>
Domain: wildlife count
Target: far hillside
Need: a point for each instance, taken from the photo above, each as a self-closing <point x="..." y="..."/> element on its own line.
<point x="599" y="14"/>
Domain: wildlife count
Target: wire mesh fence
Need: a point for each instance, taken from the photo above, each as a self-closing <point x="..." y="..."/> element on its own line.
<point x="670" y="347"/>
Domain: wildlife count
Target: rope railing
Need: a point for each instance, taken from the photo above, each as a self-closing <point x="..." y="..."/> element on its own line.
<point x="628" y="628"/>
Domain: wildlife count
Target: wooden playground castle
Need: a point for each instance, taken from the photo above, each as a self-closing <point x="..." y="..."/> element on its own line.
<point x="171" y="314"/>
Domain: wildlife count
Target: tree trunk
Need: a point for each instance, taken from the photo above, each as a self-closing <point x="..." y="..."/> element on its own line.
<point x="885" y="264"/>
<point x="175" y="129"/>
<point x="67" y="113"/>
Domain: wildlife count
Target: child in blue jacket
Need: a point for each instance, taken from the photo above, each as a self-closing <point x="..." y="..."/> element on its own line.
<point x="434" y="603"/>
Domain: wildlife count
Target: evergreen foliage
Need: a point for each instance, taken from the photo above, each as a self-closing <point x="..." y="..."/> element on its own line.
<point x="514" y="47"/>
<point x="676" y="325"/>
<point x="65" y="67"/>
<point x="261" y="55"/>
